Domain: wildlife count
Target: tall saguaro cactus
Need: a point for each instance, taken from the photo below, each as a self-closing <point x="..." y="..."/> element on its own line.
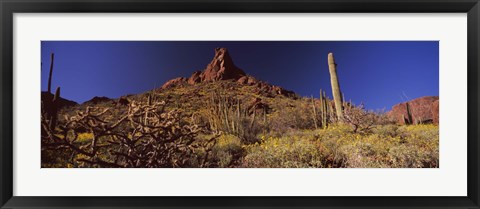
<point x="52" y="56"/>
<point x="337" y="94"/>
<point x="51" y="101"/>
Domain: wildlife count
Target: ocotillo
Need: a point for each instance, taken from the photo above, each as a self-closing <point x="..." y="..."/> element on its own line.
<point x="324" y="108"/>
<point x="322" y="111"/>
<point x="314" y="116"/>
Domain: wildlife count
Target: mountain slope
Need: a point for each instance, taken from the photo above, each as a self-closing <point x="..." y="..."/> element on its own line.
<point x="221" y="78"/>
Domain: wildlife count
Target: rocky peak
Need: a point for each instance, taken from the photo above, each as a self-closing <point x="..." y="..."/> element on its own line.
<point x="221" y="67"/>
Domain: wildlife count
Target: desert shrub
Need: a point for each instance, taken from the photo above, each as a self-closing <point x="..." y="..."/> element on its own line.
<point x="387" y="146"/>
<point x="331" y="140"/>
<point x="357" y="156"/>
<point x="362" y="120"/>
<point x="406" y="156"/>
<point x="227" y="152"/>
<point x="366" y="151"/>
<point x="283" y="152"/>
<point x="390" y="130"/>
<point x="292" y="115"/>
<point x="420" y="146"/>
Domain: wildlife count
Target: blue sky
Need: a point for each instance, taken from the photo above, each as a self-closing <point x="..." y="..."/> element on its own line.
<point x="377" y="73"/>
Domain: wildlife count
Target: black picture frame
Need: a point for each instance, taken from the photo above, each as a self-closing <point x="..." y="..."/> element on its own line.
<point x="9" y="7"/>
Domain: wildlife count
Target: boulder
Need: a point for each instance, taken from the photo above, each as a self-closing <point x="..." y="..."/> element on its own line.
<point x="247" y="80"/>
<point x="243" y="80"/>
<point x="281" y="91"/>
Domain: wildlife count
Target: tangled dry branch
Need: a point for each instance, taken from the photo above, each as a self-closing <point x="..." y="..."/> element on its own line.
<point x="362" y="120"/>
<point x="146" y="136"/>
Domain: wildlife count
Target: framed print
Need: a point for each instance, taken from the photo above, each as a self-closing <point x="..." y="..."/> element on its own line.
<point x="241" y="104"/>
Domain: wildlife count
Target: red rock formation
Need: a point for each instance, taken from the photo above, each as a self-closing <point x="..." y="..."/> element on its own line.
<point x="436" y="112"/>
<point x="174" y="82"/>
<point x="422" y="110"/>
<point x="221" y="67"/>
<point x="195" y="78"/>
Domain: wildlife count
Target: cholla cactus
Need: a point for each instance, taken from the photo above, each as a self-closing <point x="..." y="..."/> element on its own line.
<point x="154" y="137"/>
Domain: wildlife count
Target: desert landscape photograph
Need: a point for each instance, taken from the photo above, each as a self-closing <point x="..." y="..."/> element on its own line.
<point x="240" y="104"/>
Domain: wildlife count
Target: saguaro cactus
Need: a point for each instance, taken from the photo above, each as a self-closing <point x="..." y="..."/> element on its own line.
<point x="52" y="56"/>
<point x="52" y="102"/>
<point x="409" y="114"/>
<point x="53" y="108"/>
<point x="337" y="94"/>
<point x="326" y="112"/>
